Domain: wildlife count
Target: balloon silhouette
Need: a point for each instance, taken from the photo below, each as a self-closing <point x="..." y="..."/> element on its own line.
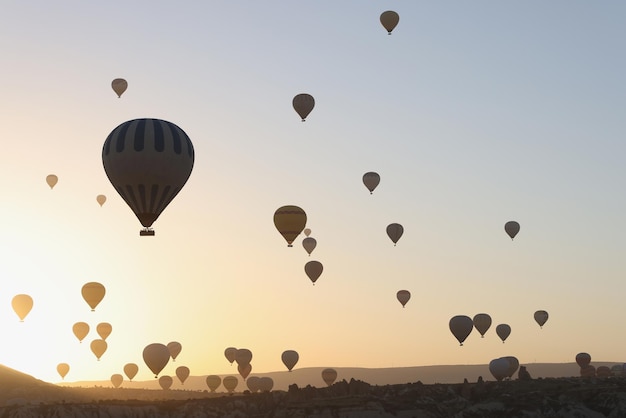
<point x="156" y="356"/>
<point x="52" y="180"/>
<point x="148" y="161"/>
<point x="80" y="330"/>
<point x="290" y="221"/>
<point x="503" y="331"/>
<point x="461" y="326"/>
<point x="22" y="305"/>
<point x="131" y="369"/>
<point x="482" y="322"/>
<point x="117" y="380"/>
<point x="499" y="368"/>
<point x="253" y="383"/>
<point x="93" y="293"/>
<point x="98" y="347"/>
<point x="389" y="20"/>
<point x="394" y="232"/>
<point x="63" y="369"/>
<point x="307" y="232"/>
<point x="243" y="356"/>
<point x="309" y="244"/>
<point x="165" y="382"/>
<point x="403" y="296"/>
<point x="313" y="269"/>
<point x="513" y="365"/>
<point x="583" y="359"/>
<point x="182" y="372"/>
<point x="104" y="330"/>
<point x="541" y="317"/>
<point x="230" y="354"/>
<point x="266" y="384"/>
<point x="119" y="86"/>
<point x="101" y="199"/>
<point x="230" y="383"/>
<point x="244" y="370"/>
<point x="511" y="228"/>
<point x="303" y="104"/>
<point x="329" y="376"/>
<point x="371" y="181"/>
<point x="290" y="358"/>
<point x="213" y="382"/>
<point x="174" y="348"/>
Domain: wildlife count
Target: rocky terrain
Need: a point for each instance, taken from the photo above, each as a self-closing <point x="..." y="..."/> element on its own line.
<point x="24" y="396"/>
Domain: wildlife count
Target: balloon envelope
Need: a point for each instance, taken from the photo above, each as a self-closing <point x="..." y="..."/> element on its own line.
<point x="253" y="383"/>
<point x="230" y="383"/>
<point x="511" y="228"/>
<point x="303" y="104"/>
<point x="98" y="347"/>
<point x="503" y="331"/>
<point x="119" y="86"/>
<point x="513" y="365"/>
<point x="93" y="293"/>
<point x="117" y="380"/>
<point x="403" y="296"/>
<point x="394" y="232"/>
<point x="243" y="356"/>
<point x="461" y="326"/>
<point x="290" y="358"/>
<point x="131" y="369"/>
<point x="583" y="359"/>
<point x="309" y="244"/>
<point x="182" y="372"/>
<point x="80" y="330"/>
<point x="174" y="348"/>
<point x="101" y="199"/>
<point x="482" y="323"/>
<point x="148" y="161"/>
<point x="52" y="180"/>
<point x="213" y="382"/>
<point x="266" y="384"/>
<point x="541" y="317"/>
<point x="313" y="269"/>
<point x="230" y="354"/>
<point x="290" y="221"/>
<point x="156" y="356"/>
<point x="499" y="368"/>
<point x="244" y="370"/>
<point x="329" y="376"/>
<point x="63" y="369"/>
<point x="307" y="232"/>
<point x="165" y="382"/>
<point x="22" y="305"/>
<point x="104" y="330"/>
<point x="371" y="181"/>
<point x="389" y="20"/>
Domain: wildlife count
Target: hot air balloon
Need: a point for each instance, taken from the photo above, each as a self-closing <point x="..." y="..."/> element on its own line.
<point x="309" y="244"/>
<point x="307" y="232"/>
<point x="213" y="382"/>
<point x="182" y="372"/>
<point x="101" y="199"/>
<point x="165" y="382"/>
<point x="148" y="161"/>
<point x="395" y="231"/>
<point x="583" y="359"/>
<point x="244" y="370"/>
<point x="290" y="221"/>
<point x="313" y="269"/>
<point x="230" y="354"/>
<point x="52" y="180"/>
<point x="503" y="331"/>
<point x="511" y="228"/>
<point x="461" y="326"/>
<point x="230" y="383"/>
<point x="104" y="330"/>
<point x="174" y="348"/>
<point x="389" y="20"/>
<point x="119" y="86"/>
<point x="93" y="293"/>
<point x="371" y="181"/>
<point x="243" y="356"/>
<point x="98" y="347"/>
<point x="156" y="356"/>
<point x="253" y="383"/>
<point x="266" y="384"/>
<point x="131" y="369"/>
<point x="80" y="330"/>
<point x="482" y="322"/>
<point x="290" y="358"/>
<point x="513" y="365"/>
<point x="329" y="376"/>
<point x="22" y="305"/>
<point x="63" y="369"/>
<point x="403" y="296"/>
<point x="588" y="371"/>
<point x="499" y="368"/>
<point x="603" y="371"/>
<point x="117" y="380"/>
<point x="303" y="104"/>
<point x="541" y="317"/>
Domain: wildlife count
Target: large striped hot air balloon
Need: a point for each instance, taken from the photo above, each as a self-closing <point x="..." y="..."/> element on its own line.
<point x="290" y="221"/>
<point x="148" y="161"/>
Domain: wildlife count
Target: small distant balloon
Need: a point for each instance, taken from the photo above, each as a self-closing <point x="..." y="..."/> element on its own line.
<point x="289" y="221"/>
<point x="482" y="323"/>
<point x="244" y="370"/>
<point x="117" y="379"/>
<point x="119" y="86"/>
<point x="583" y="359"/>
<point x="22" y="305"/>
<point x="541" y="317"/>
<point x="503" y="331"/>
<point x="230" y="383"/>
<point x="63" y="369"/>
<point x="182" y="372"/>
<point x="253" y="383"/>
<point x="307" y="232"/>
<point x="290" y="358"/>
<point x="461" y="326"/>
<point x="243" y="356"/>
<point x="104" y="330"/>
<point x="309" y="244"/>
<point x="266" y="384"/>
<point x="101" y="199"/>
<point x="403" y="296"/>
<point x="303" y="104"/>
<point x="156" y="356"/>
<point x="389" y="20"/>
<point x="52" y="180"/>
<point x="371" y="181"/>
<point x="511" y="228"/>
<point x="329" y="376"/>
<point x="93" y="293"/>
<point x="313" y="270"/>
<point x="98" y="347"/>
<point x="174" y="348"/>
<point x="131" y="369"/>
<point x="213" y="382"/>
<point x="230" y="354"/>
<point x="165" y="382"/>
<point x="80" y="330"/>
<point x="394" y="232"/>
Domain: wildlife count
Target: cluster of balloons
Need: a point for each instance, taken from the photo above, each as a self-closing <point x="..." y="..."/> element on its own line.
<point x="53" y="179"/>
<point x="461" y="327"/>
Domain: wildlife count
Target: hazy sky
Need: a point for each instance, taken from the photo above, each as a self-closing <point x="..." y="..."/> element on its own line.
<point x="473" y="113"/>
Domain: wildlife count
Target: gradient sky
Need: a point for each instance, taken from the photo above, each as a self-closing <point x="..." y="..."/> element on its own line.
<point x="473" y="113"/>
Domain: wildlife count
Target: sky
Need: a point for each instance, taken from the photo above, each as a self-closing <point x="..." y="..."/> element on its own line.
<point x="473" y="113"/>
